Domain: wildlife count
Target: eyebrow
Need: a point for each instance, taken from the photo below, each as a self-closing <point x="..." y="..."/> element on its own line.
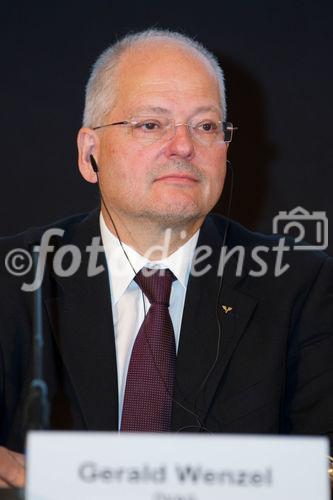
<point x="204" y="109"/>
<point x="165" y="111"/>
<point x="152" y="109"/>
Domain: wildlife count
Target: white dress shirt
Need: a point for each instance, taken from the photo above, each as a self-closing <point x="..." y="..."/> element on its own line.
<point x="127" y="298"/>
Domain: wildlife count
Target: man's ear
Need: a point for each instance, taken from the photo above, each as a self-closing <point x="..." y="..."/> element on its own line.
<point x="88" y="144"/>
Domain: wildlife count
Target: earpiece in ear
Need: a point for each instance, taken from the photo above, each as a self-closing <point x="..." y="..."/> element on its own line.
<point x="93" y="164"/>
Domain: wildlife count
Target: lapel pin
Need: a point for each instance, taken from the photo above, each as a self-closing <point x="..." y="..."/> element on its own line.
<point x="227" y="309"/>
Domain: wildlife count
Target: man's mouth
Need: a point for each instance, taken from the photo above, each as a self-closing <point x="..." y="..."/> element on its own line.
<point x="177" y="177"/>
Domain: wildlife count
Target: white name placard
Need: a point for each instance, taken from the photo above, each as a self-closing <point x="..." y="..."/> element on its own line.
<point x="70" y="466"/>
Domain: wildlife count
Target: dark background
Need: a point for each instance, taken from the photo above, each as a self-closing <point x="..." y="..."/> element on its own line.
<point x="277" y="58"/>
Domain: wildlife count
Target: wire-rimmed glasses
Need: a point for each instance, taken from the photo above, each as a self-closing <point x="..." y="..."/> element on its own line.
<point x="148" y="130"/>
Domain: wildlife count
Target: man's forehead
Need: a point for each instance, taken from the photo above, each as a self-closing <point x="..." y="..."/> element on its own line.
<point x="165" y="78"/>
<point x="163" y="61"/>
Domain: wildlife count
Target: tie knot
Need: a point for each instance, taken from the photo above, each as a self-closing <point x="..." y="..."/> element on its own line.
<point x="155" y="284"/>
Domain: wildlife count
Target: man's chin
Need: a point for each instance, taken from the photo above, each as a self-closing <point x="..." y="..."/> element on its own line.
<point x="175" y="216"/>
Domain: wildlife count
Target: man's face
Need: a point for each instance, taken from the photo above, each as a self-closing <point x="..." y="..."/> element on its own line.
<point x="170" y="182"/>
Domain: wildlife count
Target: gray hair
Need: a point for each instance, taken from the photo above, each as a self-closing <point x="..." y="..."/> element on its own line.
<point x="100" y="89"/>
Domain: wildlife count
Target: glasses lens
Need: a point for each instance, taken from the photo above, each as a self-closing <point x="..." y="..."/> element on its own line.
<point x="207" y="131"/>
<point x="148" y="130"/>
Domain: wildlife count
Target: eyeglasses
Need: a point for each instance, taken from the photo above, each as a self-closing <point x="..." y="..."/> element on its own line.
<point x="149" y="130"/>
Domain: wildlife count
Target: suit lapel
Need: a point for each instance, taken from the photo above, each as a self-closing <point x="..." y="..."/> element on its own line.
<point x="204" y="353"/>
<point x="80" y="314"/>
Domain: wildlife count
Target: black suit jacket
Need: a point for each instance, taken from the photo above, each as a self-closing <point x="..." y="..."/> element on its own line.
<point x="266" y="366"/>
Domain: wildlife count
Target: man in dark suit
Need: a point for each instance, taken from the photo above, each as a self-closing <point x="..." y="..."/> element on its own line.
<point x="253" y="327"/>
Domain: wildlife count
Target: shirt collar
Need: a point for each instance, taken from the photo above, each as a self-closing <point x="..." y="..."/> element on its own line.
<point x="120" y="270"/>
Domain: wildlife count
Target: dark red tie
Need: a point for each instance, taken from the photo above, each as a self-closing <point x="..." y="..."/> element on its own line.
<point x="151" y="372"/>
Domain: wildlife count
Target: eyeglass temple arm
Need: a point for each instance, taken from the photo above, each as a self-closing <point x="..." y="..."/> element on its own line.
<point x="111" y="124"/>
<point x="231" y="127"/>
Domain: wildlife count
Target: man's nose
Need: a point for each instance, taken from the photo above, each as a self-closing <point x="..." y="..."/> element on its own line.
<point x="181" y="144"/>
